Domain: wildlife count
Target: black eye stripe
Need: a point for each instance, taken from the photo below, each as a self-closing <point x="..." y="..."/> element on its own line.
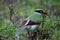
<point x="39" y="11"/>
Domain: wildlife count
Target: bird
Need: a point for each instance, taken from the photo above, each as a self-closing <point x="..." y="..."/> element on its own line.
<point x="35" y="18"/>
<point x="32" y="22"/>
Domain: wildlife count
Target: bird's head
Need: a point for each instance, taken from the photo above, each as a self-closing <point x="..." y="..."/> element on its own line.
<point x="41" y="11"/>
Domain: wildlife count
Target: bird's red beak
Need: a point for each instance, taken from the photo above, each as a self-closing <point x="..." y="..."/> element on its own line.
<point x="46" y="13"/>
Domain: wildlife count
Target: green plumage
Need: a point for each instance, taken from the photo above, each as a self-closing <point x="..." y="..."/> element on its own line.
<point x="35" y="17"/>
<point x="32" y="28"/>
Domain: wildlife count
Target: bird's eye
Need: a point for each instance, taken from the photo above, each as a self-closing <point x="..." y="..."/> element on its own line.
<point x="41" y="11"/>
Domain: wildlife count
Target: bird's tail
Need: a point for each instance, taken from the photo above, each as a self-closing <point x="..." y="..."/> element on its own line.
<point x="18" y="32"/>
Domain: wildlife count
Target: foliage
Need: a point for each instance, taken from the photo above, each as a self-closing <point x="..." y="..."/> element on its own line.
<point x="7" y="30"/>
<point x="24" y="9"/>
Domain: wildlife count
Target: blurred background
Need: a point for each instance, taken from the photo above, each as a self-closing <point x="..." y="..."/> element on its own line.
<point x="20" y="9"/>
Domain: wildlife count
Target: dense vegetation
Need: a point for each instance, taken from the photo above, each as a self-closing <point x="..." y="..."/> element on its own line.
<point x="24" y="8"/>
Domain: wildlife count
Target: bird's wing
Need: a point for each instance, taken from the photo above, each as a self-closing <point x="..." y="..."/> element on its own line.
<point x="25" y="22"/>
<point x="29" y="22"/>
<point x="35" y="17"/>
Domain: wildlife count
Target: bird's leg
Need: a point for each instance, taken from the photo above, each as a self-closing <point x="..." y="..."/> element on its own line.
<point x="37" y="36"/>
